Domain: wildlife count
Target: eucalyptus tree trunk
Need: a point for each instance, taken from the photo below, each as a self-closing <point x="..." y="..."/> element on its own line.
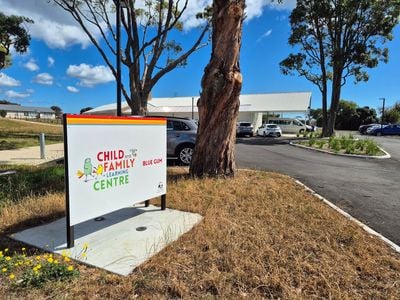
<point x="218" y="106"/>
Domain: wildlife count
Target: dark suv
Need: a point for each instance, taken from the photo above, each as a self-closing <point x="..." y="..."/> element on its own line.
<point x="181" y="138"/>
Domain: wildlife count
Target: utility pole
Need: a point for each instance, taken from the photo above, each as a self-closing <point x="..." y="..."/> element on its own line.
<point x="383" y="111"/>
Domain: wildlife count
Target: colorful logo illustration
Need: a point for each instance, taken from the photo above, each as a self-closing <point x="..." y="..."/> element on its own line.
<point x="110" y="170"/>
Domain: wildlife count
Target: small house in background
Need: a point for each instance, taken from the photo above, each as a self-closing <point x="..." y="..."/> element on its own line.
<point x="26" y="112"/>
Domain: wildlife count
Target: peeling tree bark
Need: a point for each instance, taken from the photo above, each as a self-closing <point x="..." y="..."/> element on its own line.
<point x="218" y="106"/>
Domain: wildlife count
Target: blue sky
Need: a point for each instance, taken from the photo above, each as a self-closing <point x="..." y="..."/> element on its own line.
<point x="62" y="68"/>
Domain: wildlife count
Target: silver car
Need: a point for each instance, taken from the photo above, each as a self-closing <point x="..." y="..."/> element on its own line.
<point x="181" y="138"/>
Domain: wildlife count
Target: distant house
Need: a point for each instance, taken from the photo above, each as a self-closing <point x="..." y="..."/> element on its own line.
<point x="27" y="112"/>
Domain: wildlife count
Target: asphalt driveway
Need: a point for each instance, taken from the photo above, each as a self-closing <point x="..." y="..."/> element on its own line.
<point x="368" y="189"/>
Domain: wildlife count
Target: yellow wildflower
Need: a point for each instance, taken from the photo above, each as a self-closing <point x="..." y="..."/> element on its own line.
<point x="45" y="256"/>
<point x="8" y="258"/>
<point x="70" y="268"/>
<point x="66" y="259"/>
<point x="83" y="255"/>
<point x="56" y="262"/>
<point x="38" y="266"/>
<point x="38" y="257"/>
<point x="6" y="250"/>
<point x="12" y="276"/>
<point x="23" y="249"/>
<point x="36" y="272"/>
<point x="50" y="260"/>
<point x="4" y="270"/>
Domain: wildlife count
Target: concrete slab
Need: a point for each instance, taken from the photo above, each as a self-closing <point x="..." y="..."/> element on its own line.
<point x="117" y="243"/>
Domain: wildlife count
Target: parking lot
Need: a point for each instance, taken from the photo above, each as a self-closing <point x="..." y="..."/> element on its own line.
<point x="368" y="189"/>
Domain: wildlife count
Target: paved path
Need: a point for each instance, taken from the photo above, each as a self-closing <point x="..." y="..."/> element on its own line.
<point x="31" y="155"/>
<point x="368" y="189"/>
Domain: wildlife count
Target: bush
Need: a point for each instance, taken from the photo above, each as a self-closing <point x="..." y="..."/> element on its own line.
<point x="311" y="142"/>
<point x="23" y="271"/>
<point x="334" y="144"/>
<point x="371" y="147"/>
<point x="320" y="144"/>
<point x="3" y="113"/>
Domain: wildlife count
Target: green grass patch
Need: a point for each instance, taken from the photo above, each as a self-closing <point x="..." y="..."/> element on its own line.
<point x="30" y="181"/>
<point x="16" y="134"/>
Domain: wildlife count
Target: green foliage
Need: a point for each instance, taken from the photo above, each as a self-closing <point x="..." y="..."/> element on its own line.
<point x="334" y="144"/>
<point x="321" y="143"/>
<point x="57" y="110"/>
<point x="85" y="109"/>
<point x="23" y="271"/>
<point x="3" y="113"/>
<point x="12" y="34"/>
<point x="311" y="142"/>
<point x="338" y="39"/>
<point x="371" y="147"/>
<point x="392" y="114"/>
<point x="30" y="181"/>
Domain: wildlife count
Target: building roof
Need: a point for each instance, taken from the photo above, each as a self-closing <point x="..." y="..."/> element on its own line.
<point x="277" y="102"/>
<point x="19" y="108"/>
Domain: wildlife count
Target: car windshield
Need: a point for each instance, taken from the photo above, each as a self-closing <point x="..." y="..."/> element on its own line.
<point x="272" y="126"/>
<point x="244" y="124"/>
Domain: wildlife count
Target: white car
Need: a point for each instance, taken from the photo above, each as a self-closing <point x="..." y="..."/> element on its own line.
<point x="269" y="130"/>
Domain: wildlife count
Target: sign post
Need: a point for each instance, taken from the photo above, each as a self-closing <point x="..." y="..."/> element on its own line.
<point x="111" y="163"/>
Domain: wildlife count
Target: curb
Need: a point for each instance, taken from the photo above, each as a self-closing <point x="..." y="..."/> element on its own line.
<point x="368" y="229"/>
<point x="387" y="155"/>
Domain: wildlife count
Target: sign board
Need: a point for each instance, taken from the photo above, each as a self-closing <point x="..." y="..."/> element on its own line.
<point x="111" y="163"/>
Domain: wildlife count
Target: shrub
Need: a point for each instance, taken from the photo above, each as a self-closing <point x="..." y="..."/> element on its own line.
<point x="334" y="144"/>
<point x="371" y="147"/>
<point x="3" y="113"/>
<point x="311" y="142"/>
<point x="24" y="271"/>
<point x="320" y="144"/>
<point x="350" y="148"/>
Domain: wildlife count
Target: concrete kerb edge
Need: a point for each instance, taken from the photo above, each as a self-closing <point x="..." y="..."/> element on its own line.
<point x="368" y="229"/>
<point x="387" y="155"/>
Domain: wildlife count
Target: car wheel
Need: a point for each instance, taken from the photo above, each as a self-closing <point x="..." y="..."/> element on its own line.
<point x="278" y="135"/>
<point x="301" y="131"/>
<point x="185" y="154"/>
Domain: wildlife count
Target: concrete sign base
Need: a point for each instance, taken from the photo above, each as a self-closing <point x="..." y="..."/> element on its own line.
<point x="117" y="242"/>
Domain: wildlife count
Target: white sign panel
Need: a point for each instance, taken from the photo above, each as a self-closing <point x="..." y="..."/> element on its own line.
<point x="112" y="163"/>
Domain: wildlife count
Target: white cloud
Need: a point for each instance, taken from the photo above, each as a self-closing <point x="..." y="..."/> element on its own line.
<point x="90" y="76"/>
<point x="58" y="29"/>
<point x="72" y="89"/>
<point x="50" y="61"/>
<point x="265" y="35"/>
<point x="8" y="81"/>
<point x="30" y="91"/>
<point x="44" y="78"/>
<point x="16" y="95"/>
<point x="52" y="24"/>
<point x="31" y="65"/>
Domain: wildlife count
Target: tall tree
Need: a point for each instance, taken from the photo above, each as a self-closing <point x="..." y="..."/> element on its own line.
<point x="149" y="52"/>
<point x="338" y="39"/>
<point x="12" y="35"/>
<point x="218" y="105"/>
<point x="58" y="111"/>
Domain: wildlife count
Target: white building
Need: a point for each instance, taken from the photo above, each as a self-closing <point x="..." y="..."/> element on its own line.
<point x="27" y="112"/>
<point x="252" y="107"/>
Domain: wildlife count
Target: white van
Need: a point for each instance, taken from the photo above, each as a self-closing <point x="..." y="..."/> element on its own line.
<point x="289" y="125"/>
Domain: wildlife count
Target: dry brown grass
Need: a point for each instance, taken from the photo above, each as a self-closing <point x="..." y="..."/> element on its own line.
<point x="17" y="126"/>
<point x="262" y="236"/>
